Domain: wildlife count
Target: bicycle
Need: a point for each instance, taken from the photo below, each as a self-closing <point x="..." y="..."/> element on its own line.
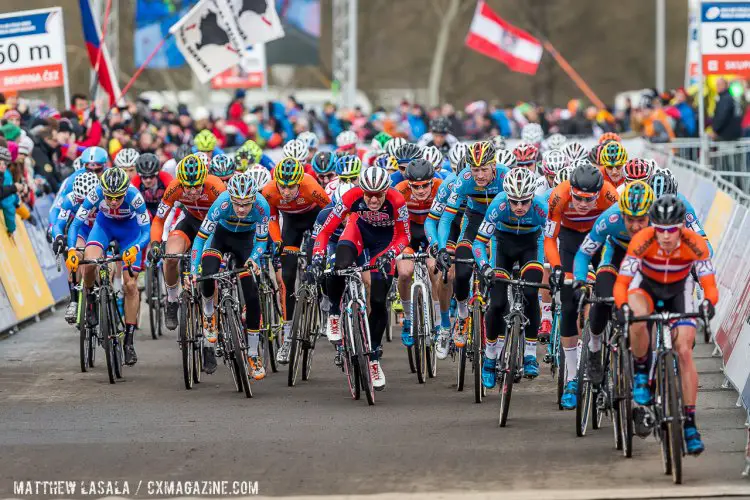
<point x="87" y="334"/>
<point x="554" y="355"/>
<point x="667" y="401"/>
<point x="154" y="298"/>
<point x="231" y="348"/>
<point x="586" y="392"/>
<point x="474" y="348"/>
<point x="270" y="313"/>
<point x="356" y="345"/>
<point x="422" y="318"/>
<point x="306" y="325"/>
<point x="390" y="301"/>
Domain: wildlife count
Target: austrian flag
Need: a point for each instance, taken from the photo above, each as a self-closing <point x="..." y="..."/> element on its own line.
<point x="493" y="36"/>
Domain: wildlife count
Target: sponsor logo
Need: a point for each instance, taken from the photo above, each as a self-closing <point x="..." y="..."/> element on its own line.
<point x="614" y="218"/>
<point x="223" y="206"/>
<point x="137" y="201"/>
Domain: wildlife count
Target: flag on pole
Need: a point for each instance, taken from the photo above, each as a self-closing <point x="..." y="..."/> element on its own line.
<point x="92" y="37"/>
<point x="491" y="35"/>
<point x="211" y="39"/>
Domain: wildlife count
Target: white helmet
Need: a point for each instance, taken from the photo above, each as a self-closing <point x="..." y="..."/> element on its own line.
<point x="553" y="161"/>
<point x="574" y="151"/>
<point x="533" y="133"/>
<point x="456" y="154"/>
<point x="204" y="158"/>
<point x="77" y="164"/>
<point x="505" y="157"/>
<point x="519" y="184"/>
<point x="392" y="145"/>
<point x="84" y="183"/>
<point x="347" y="138"/>
<point x="653" y="164"/>
<point x="555" y="141"/>
<point x="126" y="158"/>
<point x="310" y="139"/>
<point x="342" y="188"/>
<point x="374" y="179"/>
<point x="434" y="156"/>
<point x="261" y="175"/>
<point x="563" y="175"/>
<point x="242" y="186"/>
<point x="498" y="141"/>
<point x="296" y="149"/>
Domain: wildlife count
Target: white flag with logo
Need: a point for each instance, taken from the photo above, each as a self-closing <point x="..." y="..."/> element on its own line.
<point x="257" y="20"/>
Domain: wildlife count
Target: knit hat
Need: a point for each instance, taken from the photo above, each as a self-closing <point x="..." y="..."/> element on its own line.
<point x="25" y="145"/>
<point x="10" y="131"/>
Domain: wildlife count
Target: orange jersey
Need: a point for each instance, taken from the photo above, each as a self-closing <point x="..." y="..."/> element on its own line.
<point x="645" y="256"/>
<point x="607" y="178"/>
<point x="562" y="214"/>
<point x="198" y="208"/>
<point x="310" y="195"/>
<point x="418" y="209"/>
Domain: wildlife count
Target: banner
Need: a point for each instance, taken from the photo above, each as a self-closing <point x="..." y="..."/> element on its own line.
<point x="56" y="280"/>
<point x="250" y="73"/>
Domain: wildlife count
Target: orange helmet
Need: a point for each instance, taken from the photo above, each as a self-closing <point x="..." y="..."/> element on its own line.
<point x="609" y="136"/>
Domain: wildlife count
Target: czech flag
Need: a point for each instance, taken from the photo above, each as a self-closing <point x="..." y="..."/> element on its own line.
<point x="92" y="36"/>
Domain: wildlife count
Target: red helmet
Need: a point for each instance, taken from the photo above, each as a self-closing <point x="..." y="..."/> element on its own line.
<point x="637" y="169"/>
<point x="526" y="154"/>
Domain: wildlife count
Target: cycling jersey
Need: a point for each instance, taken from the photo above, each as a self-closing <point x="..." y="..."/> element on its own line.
<point x="321" y="219"/>
<point x="646" y="258"/>
<point x="68" y="210"/>
<point x="500" y="217"/>
<point x="153" y="195"/>
<point x="542" y="187"/>
<point x="310" y="196"/>
<point x="170" y="167"/>
<point x="418" y="209"/>
<point x="222" y="214"/>
<point x="195" y="207"/>
<point x="330" y="188"/>
<point x="427" y="140"/>
<point x="563" y="215"/>
<point x="65" y="188"/>
<point x="607" y="178"/>
<point x="608" y="227"/>
<point x="477" y="199"/>
<point x="437" y="209"/>
<point x="267" y="162"/>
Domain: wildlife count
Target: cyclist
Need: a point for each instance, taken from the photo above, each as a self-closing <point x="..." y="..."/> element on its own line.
<point x="574" y="205"/>
<point x="573" y="151"/>
<point x="393" y="145"/>
<point x="532" y="134"/>
<point x="378" y="230"/>
<point x="612" y="157"/>
<point x="310" y="140"/>
<point x="609" y="136"/>
<point x="516" y="218"/>
<point x="439" y="136"/>
<point x="126" y="159"/>
<point x="93" y="159"/>
<point x="433" y="155"/>
<point x="170" y="166"/>
<point x="612" y="230"/>
<point x="324" y="166"/>
<point x="656" y="275"/>
<point x="251" y="154"/>
<point x="82" y="185"/>
<point x="635" y="169"/>
<point x="404" y="155"/>
<point x="121" y="217"/>
<point x="222" y="166"/>
<point x="236" y="223"/>
<point x="205" y="142"/>
<point x="476" y="186"/>
<point x="456" y="156"/>
<point x="196" y="191"/>
<point x="553" y="143"/>
<point x="552" y="162"/>
<point x="150" y="181"/>
<point x="346" y="143"/>
<point x="379" y="141"/>
<point x="419" y="190"/>
<point x="261" y="175"/>
<point x="298" y="149"/>
<point x="297" y="197"/>
<point x="348" y="168"/>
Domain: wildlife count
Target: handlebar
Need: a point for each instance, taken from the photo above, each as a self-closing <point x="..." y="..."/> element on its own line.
<point x="105" y="260"/>
<point x="223" y="274"/>
<point x="349" y="271"/>
<point x="181" y="256"/>
<point x="520" y="282"/>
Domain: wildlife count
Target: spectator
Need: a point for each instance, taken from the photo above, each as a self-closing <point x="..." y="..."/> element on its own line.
<point x="45" y="156"/>
<point x="10" y="201"/>
<point x="687" y="125"/>
<point x="727" y="116"/>
<point x="79" y="105"/>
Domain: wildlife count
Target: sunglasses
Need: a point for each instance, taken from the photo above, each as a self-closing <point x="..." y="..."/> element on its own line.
<point x="147" y="177"/>
<point x="419" y="187"/>
<point x="237" y="204"/>
<point x="112" y="198"/>
<point x="612" y="167"/>
<point x="667" y="229"/>
<point x="326" y="177"/>
<point x="95" y="170"/>
<point x="519" y="203"/>
<point x="587" y="199"/>
<point x="370" y="194"/>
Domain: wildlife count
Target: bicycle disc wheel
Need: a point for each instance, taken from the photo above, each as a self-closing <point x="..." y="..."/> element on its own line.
<point x="106" y="332"/>
<point x="418" y="334"/>
<point x="363" y="365"/>
<point x="674" y="412"/>
<point x="508" y="371"/>
<point x="186" y="344"/>
<point x="583" y="392"/>
<point x="297" y="332"/>
<point x="239" y="353"/>
<point x="84" y="333"/>
<point x="625" y="391"/>
<point x="476" y="355"/>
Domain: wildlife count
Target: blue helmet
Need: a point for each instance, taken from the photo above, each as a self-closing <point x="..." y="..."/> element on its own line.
<point x="94" y="154"/>
<point x="324" y="162"/>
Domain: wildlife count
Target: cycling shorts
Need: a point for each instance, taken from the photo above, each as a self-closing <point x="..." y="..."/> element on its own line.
<point x="293" y="227"/>
<point x="125" y="232"/>
<point x="366" y="240"/>
<point x="469" y="227"/>
<point x="418" y="237"/>
<point x="187" y="227"/>
<point x="673" y="297"/>
<point x="512" y="248"/>
<point x="225" y="241"/>
<point x="570" y="241"/>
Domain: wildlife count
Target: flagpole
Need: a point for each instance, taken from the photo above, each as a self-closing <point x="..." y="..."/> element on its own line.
<point x="580" y="83"/>
<point x="143" y="66"/>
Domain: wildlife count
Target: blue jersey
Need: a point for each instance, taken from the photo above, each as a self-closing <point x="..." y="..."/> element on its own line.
<point x="499" y="217"/>
<point x="267" y="162"/>
<point x="222" y="213"/>
<point x="69" y="208"/>
<point x="133" y="207"/>
<point x="609" y="229"/>
<point x="65" y="188"/>
<point x="438" y="207"/>
<point x="477" y="199"/>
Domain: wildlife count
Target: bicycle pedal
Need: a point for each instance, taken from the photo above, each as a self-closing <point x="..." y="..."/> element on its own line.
<point x="547" y="358"/>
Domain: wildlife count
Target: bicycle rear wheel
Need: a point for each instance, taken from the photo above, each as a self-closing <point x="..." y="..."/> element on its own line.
<point x="105" y="327"/>
<point x="560" y="371"/>
<point x="508" y="369"/>
<point x="418" y="333"/>
<point x="308" y="348"/>
<point x="84" y="333"/>
<point x="674" y="415"/>
<point x="613" y="386"/>
<point x="186" y="343"/>
<point x="477" y="321"/>
<point x="240" y="354"/>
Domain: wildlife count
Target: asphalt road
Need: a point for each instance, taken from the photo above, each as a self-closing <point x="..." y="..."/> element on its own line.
<point x="57" y="423"/>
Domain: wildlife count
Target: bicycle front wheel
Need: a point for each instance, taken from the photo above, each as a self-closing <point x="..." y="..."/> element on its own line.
<point x="584" y="393"/>
<point x="477" y="321"/>
<point x="418" y="333"/>
<point x="299" y="324"/>
<point x="151" y="299"/>
<point x="361" y="347"/>
<point x="508" y="369"/>
<point x="105" y="328"/>
<point x="625" y="395"/>
<point x="674" y="414"/>
<point x="84" y="333"/>
<point x="240" y="354"/>
<point x="186" y="344"/>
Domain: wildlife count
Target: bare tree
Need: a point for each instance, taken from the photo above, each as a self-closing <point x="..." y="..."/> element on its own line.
<point x="448" y="16"/>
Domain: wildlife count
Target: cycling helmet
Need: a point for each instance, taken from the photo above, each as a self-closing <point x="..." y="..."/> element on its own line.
<point x="346" y="139"/>
<point x="126" y="158"/>
<point x="205" y="140"/>
<point x="191" y="171"/>
<point x="393" y="145"/>
<point x="242" y="186"/>
<point x="254" y="151"/>
<point x="419" y="170"/>
<point x="662" y="183"/>
<point x="407" y="153"/>
<point x="668" y="210"/>
<point x="114" y="182"/>
<point x="526" y="154"/>
<point x="636" y="170"/>
<point x="563" y="175"/>
<point x="94" y="154"/>
<point x="147" y="165"/>
<point x="387" y="162"/>
<point x="348" y="166"/>
<point x="295" y="149"/>
<point x="182" y="152"/>
<point x="221" y="166"/>
<point x="84" y="183"/>
<point x="553" y="161"/>
<point x="519" y="184"/>
<point x="341" y="189"/>
<point x="5" y="154"/>
<point x="288" y="172"/>
<point x="380" y="140"/>
<point x="609" y="136"/>
<point x="574" y="151"/>
<point x="498" y="141"/>
<point x="506" y="158"/>
<point x="586" y="179"/>
<point x="532" y="133"/>
<point x="456" y="154"/>
<point x="653" y="164"/>
<point x="324" y="162"/>
<point x="636" y="199"/>
<point x="434" y="156"/>
<point x="203" y="157"/>
<point x="77" y="164"/>
<point x="613" y="154"/>
<point x="594" y="153"/>
<point x="440" y="125"/>
<point x="555" y="141"/>
<point x="310" y="140"/>
<point x="261" y="175"/>
<point x="374" y="180"/>
<point x="480" y="154"/>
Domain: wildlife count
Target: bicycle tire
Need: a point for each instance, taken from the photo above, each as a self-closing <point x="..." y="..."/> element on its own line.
<point x="197" y="343"/>
<point x="461" y="368"/>
<point x="626" y="400"/>
<point x="240" y="354"/>
<point x="597" y="415"/>
<point x="430" y="339"/>
<point x="560" y="375"/>
<point x="476" y="356"/>
<point x="389" y="322"/>
<point x="297" y="332"/>
<point x="365" y="376"/>
<point x="186" y="347"/>
<point x="675" y="415"/>
<point x="150" y="298"/>
<point x="613" y="385"/>
<point x="105" y="328"/>
<point x="508" y="375"/>
<point x="583" y="391"/>
<point x="272" y="339"/>
<point x="418" y="334"/>
<point x="84" y="334"/>
<point x="351" y="375"/>
<point x="410" y="355"/>
<point x="308" y="350"/>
